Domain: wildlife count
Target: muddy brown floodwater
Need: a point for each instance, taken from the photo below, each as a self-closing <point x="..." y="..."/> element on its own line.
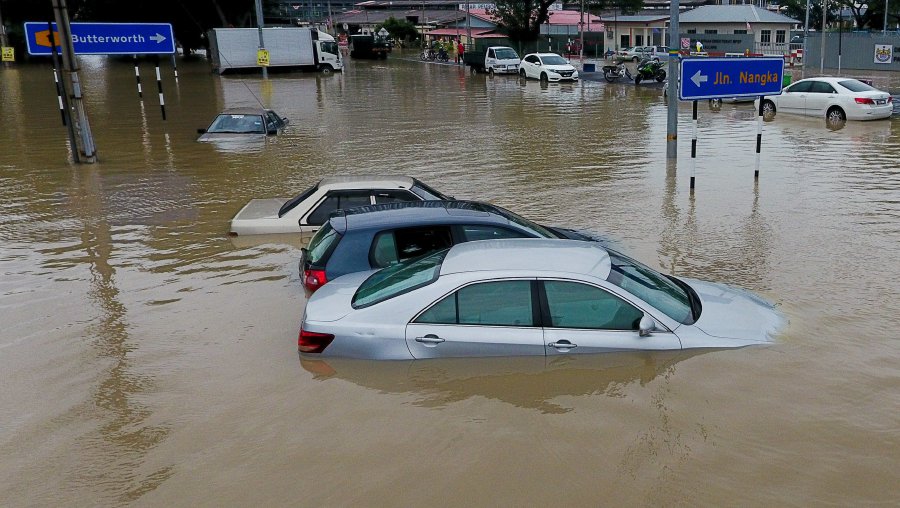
<point x="146" y="358"/>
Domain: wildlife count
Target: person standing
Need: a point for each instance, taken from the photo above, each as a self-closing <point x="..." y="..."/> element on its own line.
<point x="460" y="51"/>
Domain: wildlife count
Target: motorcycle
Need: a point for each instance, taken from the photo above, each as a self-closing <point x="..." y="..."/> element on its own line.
<point x="614" y="72"/>
<point x="650" y="69"/>
<point x="442" y="55"/>
<point x="427" y="55"/>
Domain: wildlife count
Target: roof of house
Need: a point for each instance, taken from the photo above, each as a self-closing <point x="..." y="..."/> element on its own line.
<point x="376" y="16"/>
<point x="560" y="17"/>
<point x="733" y="14"/>
<point x="636" y="19"/>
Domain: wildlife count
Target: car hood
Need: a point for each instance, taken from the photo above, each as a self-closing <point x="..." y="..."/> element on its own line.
<point x="733" y="313"/>
<point x="212" y="136"/>
<point x="332" y="301"/>
<point x="557" y="68"/>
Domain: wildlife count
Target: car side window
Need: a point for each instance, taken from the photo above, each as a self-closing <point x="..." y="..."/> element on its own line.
<point x="473" y="232"/>
<point x="574" y="305"/>
<point x="800" y="87"/>
<point x="501" y="303"/>
<point x="531" y="59"/>
<point x="274" y="119"/>
<point x="392" y="196"/>
<point x="335" y="201"/>
<point x="414" y="242"/>
<point x="384" y="250"/>
<point x="490" y="53"/>
<point x="821" y="87"/>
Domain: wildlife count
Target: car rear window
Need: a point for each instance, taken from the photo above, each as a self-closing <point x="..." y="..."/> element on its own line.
<point x="291" y="203"/>
<point x="322" y="243"/>
<point x="398" y="279"/>
<point x="856" y="86"/>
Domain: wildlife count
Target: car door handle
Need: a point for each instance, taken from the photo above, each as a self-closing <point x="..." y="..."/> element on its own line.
<point x="563" y="344"/>
<point x="430" y="339"/>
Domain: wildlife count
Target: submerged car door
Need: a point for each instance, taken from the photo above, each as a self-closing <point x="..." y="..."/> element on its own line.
<point x="588" y="319"/>
<point x="793" y="98"/>
<point x="490" y="318"/>
<point x="820" y="96"/>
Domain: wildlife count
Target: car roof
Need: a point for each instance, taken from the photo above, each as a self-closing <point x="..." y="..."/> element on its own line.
<point x="546" y="54"/>
<point x="412" y="213"/>
<point x="366" y="182"/>
<point x="531" y="254"/>
<point x="245" y="111"/>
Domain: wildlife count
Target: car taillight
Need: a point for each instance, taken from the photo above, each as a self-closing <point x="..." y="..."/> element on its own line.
<point x="314" y="279"/>
<point x="313" y="342"/>
<point x="864" y="100"/>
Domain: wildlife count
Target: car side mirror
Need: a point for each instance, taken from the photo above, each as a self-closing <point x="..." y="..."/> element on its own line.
<point x="201" y="131"/>
<point x="646" y="326"/>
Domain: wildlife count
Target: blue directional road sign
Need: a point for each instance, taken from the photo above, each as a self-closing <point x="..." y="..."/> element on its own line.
<point x="721" y="78"/>
<point x="105" y="38"/>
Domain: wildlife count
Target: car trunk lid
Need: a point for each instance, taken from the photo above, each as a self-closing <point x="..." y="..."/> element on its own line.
<point x="261" y="209"/>
<point x="332" y="301"/>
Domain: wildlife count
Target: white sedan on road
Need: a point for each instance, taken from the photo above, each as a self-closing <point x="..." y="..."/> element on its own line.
<point x="837" y="99"/>
<point x="547" y="67"/>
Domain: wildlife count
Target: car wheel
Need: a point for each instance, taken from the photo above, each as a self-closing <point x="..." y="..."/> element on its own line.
<point x="836" y="115"/>
<point x="635" y="59"/>
<point x="522" y="74"/>
<point x="491" y="72"/>
<point x="544" y="77"/>
<point x="768" y="109"/>
<point x="326" y="69"/>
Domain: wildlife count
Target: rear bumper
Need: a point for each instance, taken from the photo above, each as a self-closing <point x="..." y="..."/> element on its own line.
<point x="872" y="113"/>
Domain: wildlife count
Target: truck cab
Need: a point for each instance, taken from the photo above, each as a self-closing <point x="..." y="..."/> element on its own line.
<point x="328" y="54"/>
<point x="494" y="60"/>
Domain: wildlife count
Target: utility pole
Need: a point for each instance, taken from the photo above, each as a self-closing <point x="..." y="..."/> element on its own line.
<point x="259" y="23"/>
<point x="884" y="30"/>
<point x="468" y="25"/>
<point x="70" y="65"/>
<point x="581" y="29"/>
<point x="824" y="18"/>
<point x="674" y="85"/>
<point x="806" y="26"/>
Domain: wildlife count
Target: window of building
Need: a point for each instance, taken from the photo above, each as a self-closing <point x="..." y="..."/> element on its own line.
<point x="765" y="36"/>
<point x="780" y="36"/>
<point x="711" y="31"/>
<point x="692" y="31"/>
<point x="740" y="32"/>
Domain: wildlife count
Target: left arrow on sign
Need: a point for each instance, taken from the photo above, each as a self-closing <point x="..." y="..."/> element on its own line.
<point x="698" y="78"/>
<point x="158" y="38"/>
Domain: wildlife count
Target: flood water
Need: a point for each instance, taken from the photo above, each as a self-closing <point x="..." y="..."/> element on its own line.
<point x="147" y="358"/>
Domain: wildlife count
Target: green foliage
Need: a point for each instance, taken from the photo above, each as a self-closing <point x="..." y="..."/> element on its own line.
<point x="622" y="6"/>
<point x="522" y="19"/>
<point x="399" y="29"/>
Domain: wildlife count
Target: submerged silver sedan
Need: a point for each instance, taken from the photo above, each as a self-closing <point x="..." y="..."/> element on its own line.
<point x="526" y="297"/>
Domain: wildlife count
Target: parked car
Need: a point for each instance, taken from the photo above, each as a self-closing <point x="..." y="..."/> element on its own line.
<point x="547" y="67"/>
<point x="307" y="211"/>
<point x="371" y="237"/>
<point x="638" y="53"/>
<point x="243" y="123"/>
<point x="527" y="297"/>
<point x="836" y="99"/>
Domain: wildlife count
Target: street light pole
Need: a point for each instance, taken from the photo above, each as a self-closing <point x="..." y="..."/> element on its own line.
<point x="259" y="23"/>
<point x="884" y="30"/>
<point x="824" y="18"/>
<point x="674" y="45"/>
<point x="468" y="25"/>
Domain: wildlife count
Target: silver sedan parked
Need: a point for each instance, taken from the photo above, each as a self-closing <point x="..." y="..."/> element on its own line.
<point x="526" y="297"/>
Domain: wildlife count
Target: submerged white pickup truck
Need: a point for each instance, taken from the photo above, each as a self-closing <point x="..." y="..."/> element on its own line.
<point x="493" y="60"/>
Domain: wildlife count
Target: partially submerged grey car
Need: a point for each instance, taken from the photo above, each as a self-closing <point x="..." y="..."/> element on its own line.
<point x="526" y="297"/>
<point x="243" y="123"/>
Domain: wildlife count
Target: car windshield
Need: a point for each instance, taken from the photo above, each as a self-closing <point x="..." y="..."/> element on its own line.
<point x="239" y="124"/>
<point x="553" y="60"/>
<point x="321" y="243"/>
<point x="398" y="279"/>
<point x="856" y="86"/>
<point x="506" y="54"/>
<point x="539" y="230"/>
<point x="651" y="286"/>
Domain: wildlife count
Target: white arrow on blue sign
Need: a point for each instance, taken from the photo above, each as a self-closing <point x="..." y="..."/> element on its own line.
<point x="105" y="38"/>
<point x="721" y="78"/>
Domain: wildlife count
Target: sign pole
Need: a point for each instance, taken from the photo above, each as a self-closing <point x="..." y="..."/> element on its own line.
<point x="175" y="68"/>
<point x="694" y="146"/>
<point x="162" y="99"/>
<point x="137" y="76"/>
<point x="62" y="95"/>
<point x="262" y="46"/>
<point x="4" y="41"/>
<point x="70" y="63"/>
<point x="824" y="18"/>
<point x="759" y="126"/>
<point x="672" y="109"/>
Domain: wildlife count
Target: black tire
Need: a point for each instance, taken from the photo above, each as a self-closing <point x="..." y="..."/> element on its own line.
<point x="635" y="59"/>
<point x="660" y="76"/>
<point x="769" y="109"/>
<point x="836" y="115"/>
<point x="522" y="74"/>
<point x="610" y="77"/>
<point x="326" y="69"/>
<point x="491" y="72"/>
<point x="637" y="79"/>
<point x="544" y="78"/>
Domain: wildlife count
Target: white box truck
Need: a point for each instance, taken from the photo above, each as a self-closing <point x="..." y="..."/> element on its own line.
<point x="305" y="48"/>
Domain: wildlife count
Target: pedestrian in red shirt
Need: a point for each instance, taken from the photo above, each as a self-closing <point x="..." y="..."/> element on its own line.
<point x="460" y="50"/>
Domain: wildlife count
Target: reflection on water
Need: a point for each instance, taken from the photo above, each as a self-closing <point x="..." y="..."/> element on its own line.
<point x="148" y="356"/>
<point x="538" y="382"/>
